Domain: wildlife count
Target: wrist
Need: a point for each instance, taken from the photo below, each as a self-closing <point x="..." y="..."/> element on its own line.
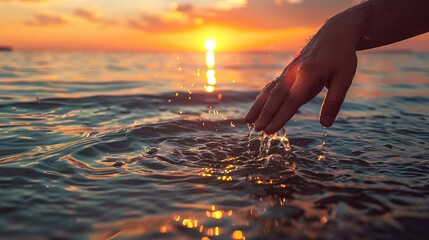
<point x="349" y="26"/>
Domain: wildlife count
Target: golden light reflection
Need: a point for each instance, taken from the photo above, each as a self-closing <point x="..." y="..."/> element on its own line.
<point x="213" y="231"/>
<point x="210" y="59"/>
<point x="238" y="235"/>
<point x="214" y="214"/>
<point x="210" y="89"/>
<point x="225" y="173"/>
<point x="204" y="227"/>
<point x="211" y="77"/>
<point x="210" y="45"/>
<point x="190" y="223"/>
<point x="324" y="220"/>
<point x="72" y="189"/>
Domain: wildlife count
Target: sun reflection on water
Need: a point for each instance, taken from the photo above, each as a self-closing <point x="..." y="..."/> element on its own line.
<point x="212" y="224"/>
<point x="205" y="227"/>
<point x="210" y="45"/>
<point x="210" y="59"/>
<point x="211" y="77"/>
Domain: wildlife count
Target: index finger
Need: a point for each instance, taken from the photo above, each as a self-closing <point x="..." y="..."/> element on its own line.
<point x="259" y="103"/>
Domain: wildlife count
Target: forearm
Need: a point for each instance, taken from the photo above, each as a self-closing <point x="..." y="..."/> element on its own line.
<point x="329" y="60"/>
<point x="377" y="23"/>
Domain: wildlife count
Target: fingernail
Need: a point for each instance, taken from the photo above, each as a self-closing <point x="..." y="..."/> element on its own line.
<point x="327" y="121"/>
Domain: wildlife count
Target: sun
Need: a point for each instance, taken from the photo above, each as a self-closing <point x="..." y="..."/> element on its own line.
<point x="210" y="45"/>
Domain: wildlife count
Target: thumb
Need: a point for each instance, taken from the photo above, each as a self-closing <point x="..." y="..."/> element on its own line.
<point x="334" y="99"/>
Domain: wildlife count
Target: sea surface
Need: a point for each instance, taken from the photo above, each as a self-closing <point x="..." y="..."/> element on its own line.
<point x="154" y="146"/>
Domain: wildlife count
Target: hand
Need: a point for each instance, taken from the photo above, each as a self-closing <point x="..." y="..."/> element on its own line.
<point x="329" y="60"/>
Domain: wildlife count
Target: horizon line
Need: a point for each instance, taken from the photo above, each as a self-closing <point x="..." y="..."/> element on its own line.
<point x="376" y="50"/>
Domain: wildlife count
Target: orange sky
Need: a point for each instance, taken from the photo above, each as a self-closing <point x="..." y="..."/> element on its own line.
<point x="162" y="25"/>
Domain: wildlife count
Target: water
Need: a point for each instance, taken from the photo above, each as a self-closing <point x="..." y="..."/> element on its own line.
<point x="149" y="146"/>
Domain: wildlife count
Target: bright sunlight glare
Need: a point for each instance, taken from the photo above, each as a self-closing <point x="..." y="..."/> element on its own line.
<point x="210" y="45"/>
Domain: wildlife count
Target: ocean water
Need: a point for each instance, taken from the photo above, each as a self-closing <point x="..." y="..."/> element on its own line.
<point x="154" y="146"/>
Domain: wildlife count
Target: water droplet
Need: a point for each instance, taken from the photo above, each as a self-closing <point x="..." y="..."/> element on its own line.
<point x="324" y="220"/>
<point x="249" y="136"/>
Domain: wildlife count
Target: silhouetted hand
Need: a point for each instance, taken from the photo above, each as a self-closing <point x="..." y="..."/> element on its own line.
<point x="329" y="60"/>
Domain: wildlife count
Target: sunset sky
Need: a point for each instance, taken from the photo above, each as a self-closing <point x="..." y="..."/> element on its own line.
<point x="163" y="25"/>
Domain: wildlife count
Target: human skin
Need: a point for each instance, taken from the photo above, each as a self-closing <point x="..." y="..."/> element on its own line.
<point x="329" y="60"/>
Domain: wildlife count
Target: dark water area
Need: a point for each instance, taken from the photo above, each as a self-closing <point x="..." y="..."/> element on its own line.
<point x="137" y="146"/>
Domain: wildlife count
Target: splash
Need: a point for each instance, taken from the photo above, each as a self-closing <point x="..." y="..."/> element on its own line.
<point x="249" y="136"/>
<point x="265" y="142"/>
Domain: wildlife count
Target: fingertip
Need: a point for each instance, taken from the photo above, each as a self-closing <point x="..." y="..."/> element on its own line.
<point x="260" y="125"/>
<point x="327" y="121"/>
<point x="257" y="129"/>
<point x="270" y="131"/>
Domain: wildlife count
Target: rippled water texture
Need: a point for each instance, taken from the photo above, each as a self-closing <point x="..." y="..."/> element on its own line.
<point x="132" y="146"/>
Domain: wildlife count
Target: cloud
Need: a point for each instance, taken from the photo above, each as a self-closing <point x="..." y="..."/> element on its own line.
<point x="92" y="14"/>
<point x="244" y="15"/>
<point x="230" y="4"/>
<point x="46" y="19"/>
<point x="178" y="17"/>
<point x="165" y="23"/>
<point x="181" y="7"/>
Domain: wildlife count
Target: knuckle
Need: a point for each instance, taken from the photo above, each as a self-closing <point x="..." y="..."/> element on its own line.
<point x="278" y="88"/>
<point x="308" y="65"/>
